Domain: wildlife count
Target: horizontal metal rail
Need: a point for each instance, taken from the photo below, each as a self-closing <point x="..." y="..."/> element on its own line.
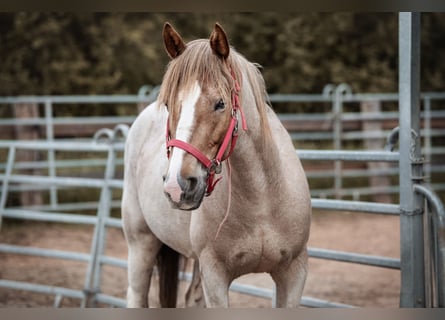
<point x="104" y="120"/>
<point x="39" y="288"/>
<point x="370" y="260"/>
<point x="77" y="99"/>
<point x="59" y="164"/>
<point x="356" y="206"/>
<point x="355" y="193"/>
<point x="356" y="135"/>
<point x="67" y="207"/>
<point x="319" y="303"/>
<point x="49" y="216"/>
<point x="384" y="156"/>
<point x="356" y="97"/>
<point x="45" y="253"/>
<point x="64" y="181"/>
<point x="353" y="116"/>
<point x="110" y="300"/>
<point x="58" y="217"/>
<point x="61" y="145"/>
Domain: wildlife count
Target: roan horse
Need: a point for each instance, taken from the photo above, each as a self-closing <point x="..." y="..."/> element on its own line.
<point x="258" y="217"/>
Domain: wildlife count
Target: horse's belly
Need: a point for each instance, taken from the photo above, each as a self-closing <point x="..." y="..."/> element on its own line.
<point x="172" y="228"/>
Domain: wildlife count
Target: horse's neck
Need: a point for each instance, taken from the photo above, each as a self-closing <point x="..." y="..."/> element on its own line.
<point x="255" y="163"/>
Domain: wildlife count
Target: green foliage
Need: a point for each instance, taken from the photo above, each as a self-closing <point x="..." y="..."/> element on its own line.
<point x="98" y="53"/>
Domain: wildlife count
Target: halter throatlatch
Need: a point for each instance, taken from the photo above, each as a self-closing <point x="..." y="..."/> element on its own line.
<point x="214" y="166"/>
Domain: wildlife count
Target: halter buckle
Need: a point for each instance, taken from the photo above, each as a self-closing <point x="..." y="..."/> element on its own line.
<point x="216" y="166"/>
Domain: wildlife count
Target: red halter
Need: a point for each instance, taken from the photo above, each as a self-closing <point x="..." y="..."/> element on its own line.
<point x="214" y="166"/>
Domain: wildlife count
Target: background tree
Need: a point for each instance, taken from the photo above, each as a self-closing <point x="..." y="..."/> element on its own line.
<point x="110" y="53"/>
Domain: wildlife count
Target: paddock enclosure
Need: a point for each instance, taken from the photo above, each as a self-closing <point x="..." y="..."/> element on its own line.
<point x="364" y="154"/>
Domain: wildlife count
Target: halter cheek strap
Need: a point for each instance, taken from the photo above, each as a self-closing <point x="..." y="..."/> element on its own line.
<point x="214" y="166"/>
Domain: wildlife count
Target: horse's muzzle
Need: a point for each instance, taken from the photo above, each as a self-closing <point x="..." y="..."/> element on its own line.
<point x="185" y="193"/>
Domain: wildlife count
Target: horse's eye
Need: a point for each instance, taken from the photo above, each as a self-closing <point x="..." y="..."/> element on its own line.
<point x="220" y="105"/>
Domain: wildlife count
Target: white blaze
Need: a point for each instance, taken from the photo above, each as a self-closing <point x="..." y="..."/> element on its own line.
<point x="183" y="132"/>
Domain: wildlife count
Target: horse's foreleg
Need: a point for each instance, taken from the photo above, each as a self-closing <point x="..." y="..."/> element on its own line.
<point x="143" y="247"/>
<point x="141" y="259"/>
<point x="195" y="296"/>
<point x="215" y="282"/>
<point x="290" y="282"/>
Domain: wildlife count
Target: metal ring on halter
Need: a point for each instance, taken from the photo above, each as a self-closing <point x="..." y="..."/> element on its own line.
<point x="235" y="116"/>
<point x="216" y="166"/>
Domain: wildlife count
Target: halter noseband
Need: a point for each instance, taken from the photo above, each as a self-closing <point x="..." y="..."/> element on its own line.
<point x="214" y="166"/>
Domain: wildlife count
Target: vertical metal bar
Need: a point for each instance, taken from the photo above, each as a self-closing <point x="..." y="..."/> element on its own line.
<point x="430" y="245"/>
<point x="411" y="165"/>
<point x="274" y="296"/>
<point x="51" y="152"/>
<point x="438" y="210"/>
<point x="435" y="266"/>
<point x="338" y="128"/>
<point x="92" y="279"/>
<point x="105" y="206"/>
<point x="427" y="137"/>
<point x="429" y="258"/>
<point x="5" y="185"/>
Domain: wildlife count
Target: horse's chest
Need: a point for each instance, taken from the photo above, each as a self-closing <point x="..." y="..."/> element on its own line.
<point x="261" y="251"/>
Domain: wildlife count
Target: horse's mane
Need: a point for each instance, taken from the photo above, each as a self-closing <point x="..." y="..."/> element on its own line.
<point x="198" y="62"/>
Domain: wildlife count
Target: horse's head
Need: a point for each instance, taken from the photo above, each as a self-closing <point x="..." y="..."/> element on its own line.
<point x="198" y="92"/>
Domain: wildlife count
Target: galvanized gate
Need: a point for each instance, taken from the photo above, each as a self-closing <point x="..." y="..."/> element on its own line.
<point x="422" y="215"/>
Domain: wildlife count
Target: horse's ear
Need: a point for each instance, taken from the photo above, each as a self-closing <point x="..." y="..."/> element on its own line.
<point x="174" y="45"/>
<point x="219" y="42"/>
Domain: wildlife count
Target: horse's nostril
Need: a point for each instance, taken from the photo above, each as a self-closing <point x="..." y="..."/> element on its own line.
<point x="192" y="182"/>
<point x="188" y="184"/>
<point x="164" y="177"/>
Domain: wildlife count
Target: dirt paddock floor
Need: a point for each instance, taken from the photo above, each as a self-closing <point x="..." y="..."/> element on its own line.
<point x="363" y="286"/>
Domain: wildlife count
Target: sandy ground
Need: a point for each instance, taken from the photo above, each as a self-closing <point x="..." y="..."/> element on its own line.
<point x="334" y="281"/>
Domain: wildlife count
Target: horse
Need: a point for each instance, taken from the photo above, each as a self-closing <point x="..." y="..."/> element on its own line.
<point x="211" y="174"/>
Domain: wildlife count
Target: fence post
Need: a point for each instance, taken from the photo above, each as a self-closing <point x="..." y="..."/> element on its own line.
<point x="93" y="277"/>
<point x="341" y="91"/>
<point x="51" y="153"/>
<point x="28" y="132"/>
<point x="373" y="143"/>
<point x="427" y="137"/>
<point x="411" y="165"/>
